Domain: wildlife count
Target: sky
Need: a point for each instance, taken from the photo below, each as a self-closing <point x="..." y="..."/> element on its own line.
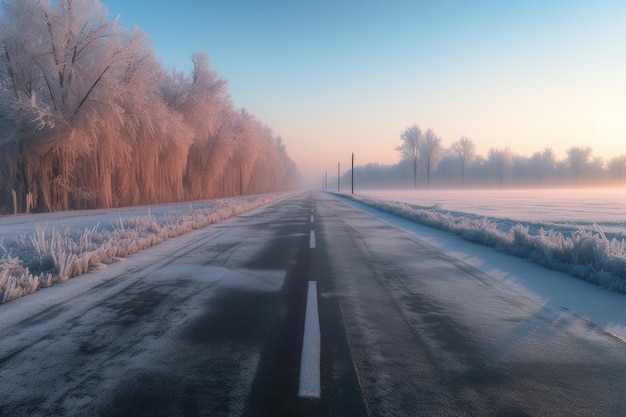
<point x="336" y="77"/>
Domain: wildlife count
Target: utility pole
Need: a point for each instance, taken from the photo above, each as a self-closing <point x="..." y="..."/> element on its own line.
<point x="352" y="172"/>
<point x="326" y="180"/>
<point x="338" y="176"/>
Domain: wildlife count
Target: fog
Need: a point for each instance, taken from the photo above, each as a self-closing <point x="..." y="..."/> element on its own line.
<point x="427" y="163"/>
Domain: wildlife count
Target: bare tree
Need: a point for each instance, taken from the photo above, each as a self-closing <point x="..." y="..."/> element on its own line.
<point x="410" y="147"/>
<point x="431" y="152"/>
<point x="465" y="150"/>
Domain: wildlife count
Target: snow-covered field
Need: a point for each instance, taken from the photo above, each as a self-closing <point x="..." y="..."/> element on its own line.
<point x="550" y="208"/>
<point x="578" y="231"/>
<point x="39" y="250"/>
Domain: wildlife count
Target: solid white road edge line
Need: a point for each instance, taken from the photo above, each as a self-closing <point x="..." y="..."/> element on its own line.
<point x="312" y="239"/>
<point x="310" y="359"/>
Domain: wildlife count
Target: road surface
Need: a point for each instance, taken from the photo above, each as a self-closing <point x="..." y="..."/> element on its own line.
<point x="306" y="307"/>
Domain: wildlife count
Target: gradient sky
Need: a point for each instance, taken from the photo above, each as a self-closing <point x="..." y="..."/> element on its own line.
<point x="334" y="77"/>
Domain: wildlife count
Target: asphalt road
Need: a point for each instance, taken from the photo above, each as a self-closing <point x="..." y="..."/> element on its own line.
<point x="213" y="324"/>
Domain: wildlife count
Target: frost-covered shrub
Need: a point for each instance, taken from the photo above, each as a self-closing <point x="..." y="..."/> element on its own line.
<point x="522" y="243"/>
<point x="484" y="232"/>
<point x="49" y="255"/>
<point x="16" y="281"/>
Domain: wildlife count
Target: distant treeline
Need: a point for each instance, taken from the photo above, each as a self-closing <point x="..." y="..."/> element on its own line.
<point x="89" y="118"/>
<point x="425" y="162"/>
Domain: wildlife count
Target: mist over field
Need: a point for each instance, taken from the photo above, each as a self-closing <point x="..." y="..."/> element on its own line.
<point x="425" y="162"/>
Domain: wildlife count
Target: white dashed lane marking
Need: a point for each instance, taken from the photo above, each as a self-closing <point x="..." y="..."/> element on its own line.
<point x="310" y="385"/>
<point x="310" y="360"/>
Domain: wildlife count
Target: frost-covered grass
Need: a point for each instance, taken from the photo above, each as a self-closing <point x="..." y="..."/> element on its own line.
<point x="30" y="261"/>
<point x="586" y="253"/>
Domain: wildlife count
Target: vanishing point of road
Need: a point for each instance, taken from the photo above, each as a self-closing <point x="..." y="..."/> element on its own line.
<point x="306" y="307"/>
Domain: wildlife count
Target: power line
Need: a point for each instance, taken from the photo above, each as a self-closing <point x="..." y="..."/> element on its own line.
<point x="347" y="162"/>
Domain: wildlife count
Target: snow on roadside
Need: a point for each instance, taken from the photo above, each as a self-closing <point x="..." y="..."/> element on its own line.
<point x="47" y="255"/>
<point x="568" y="297"/>
<point x="586" y="254"/>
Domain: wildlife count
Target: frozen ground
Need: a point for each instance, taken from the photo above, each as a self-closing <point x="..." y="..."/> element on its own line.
<point x="580" y="232"/>
<point x="39" y="250"/>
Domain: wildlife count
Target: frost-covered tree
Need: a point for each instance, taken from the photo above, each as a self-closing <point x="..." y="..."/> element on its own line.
<point x="543" y="165"/>
<point x="66" y="63"/>
<point x="465" y="150"/>
<point x="410" y="147"/>
<point x="247" y="141"/>
<point x="77" y="55"/>
<point x="578" y="159"/>
<point x="617" y="168"/>
<point x="89" y="118"/>
<point x="431" y="151"/>
<point x="202" y="100"/>
<point x="499" y="162"/>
